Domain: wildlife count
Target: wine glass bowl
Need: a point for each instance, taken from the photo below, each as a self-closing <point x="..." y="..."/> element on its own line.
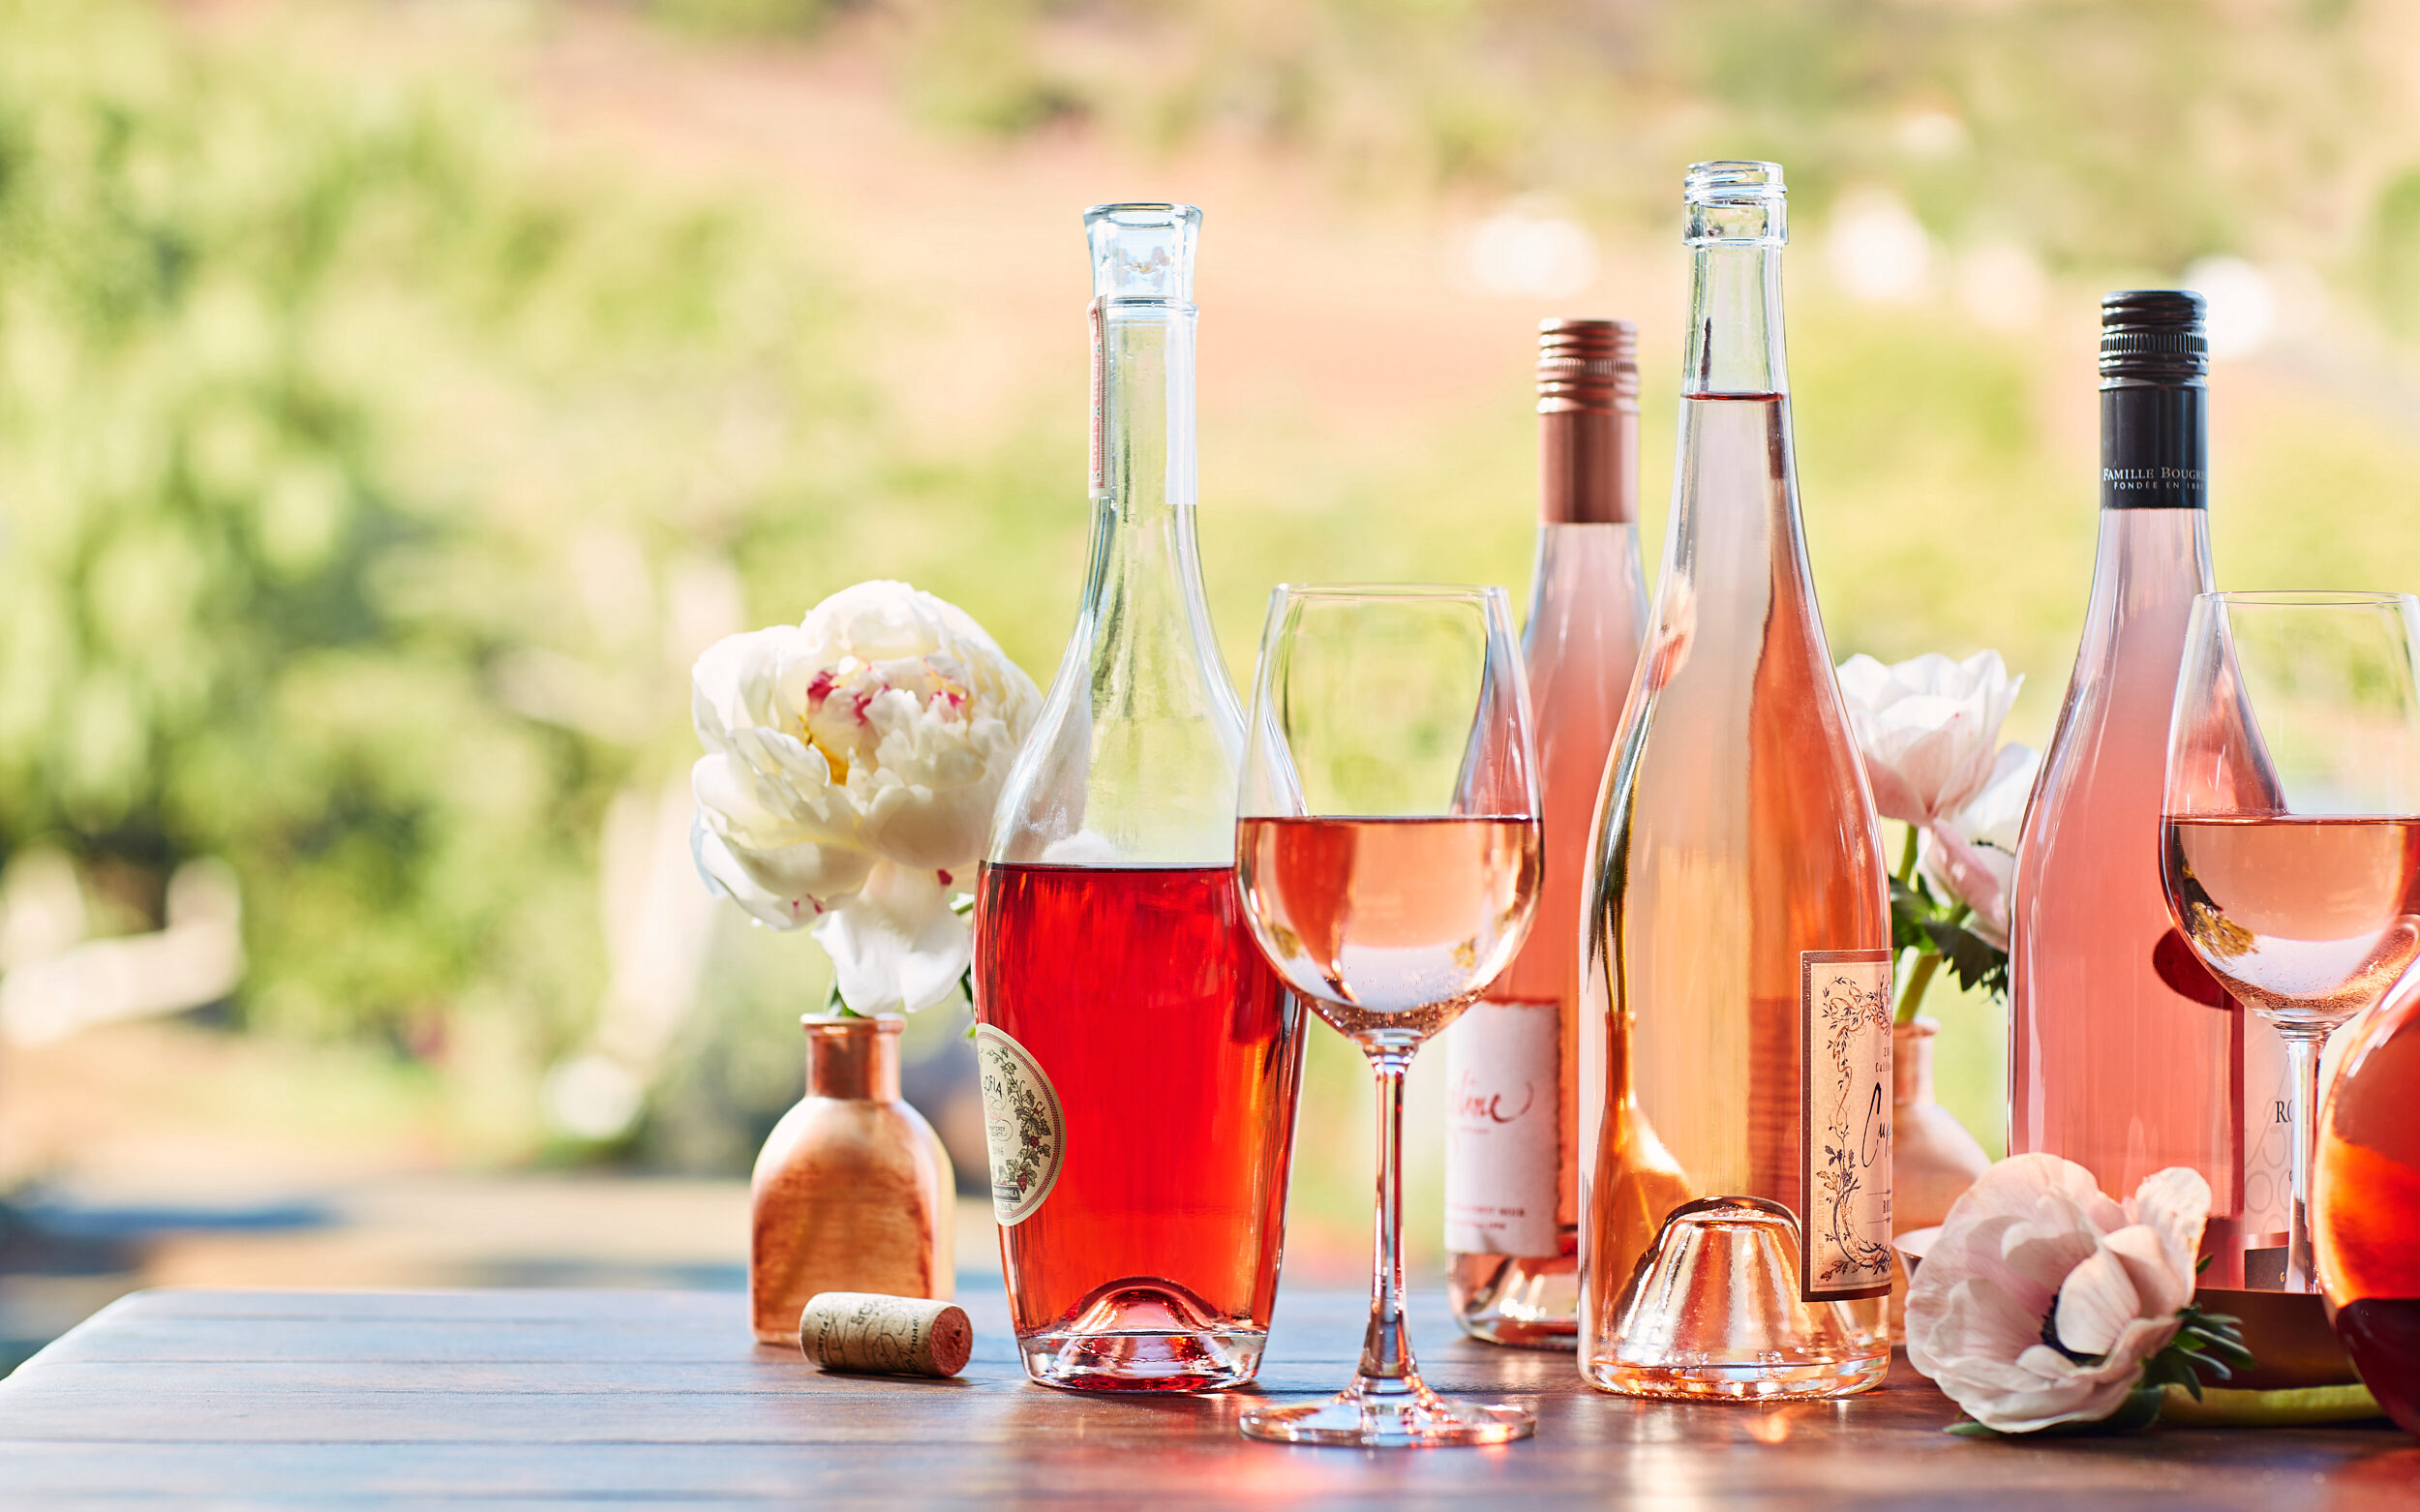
<point x="2289" y="838"/>
<point x="1387" y="854"/>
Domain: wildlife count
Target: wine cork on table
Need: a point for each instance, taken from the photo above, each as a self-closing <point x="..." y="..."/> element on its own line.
<point x="881" y="1335"/>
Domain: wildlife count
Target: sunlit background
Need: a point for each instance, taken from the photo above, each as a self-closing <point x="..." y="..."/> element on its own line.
<point x="395" y="397"/>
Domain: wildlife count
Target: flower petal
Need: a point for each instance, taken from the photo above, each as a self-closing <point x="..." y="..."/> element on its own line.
<point x="2161" y="1279"/>
<point x="720" y="867"/>
<point x="1979" y="876"/>
<point x="2175" y="1204"/>
<point x="2096" y="1305"/>
<point x="1927" y="729"/>
<point x="895" y="944"/>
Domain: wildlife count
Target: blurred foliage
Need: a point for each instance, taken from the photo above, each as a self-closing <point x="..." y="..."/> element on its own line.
<point x="350" y="466"/>
<point x="2110" y="133"/>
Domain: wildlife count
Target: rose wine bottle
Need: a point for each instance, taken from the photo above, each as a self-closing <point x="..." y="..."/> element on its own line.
<point x="1740" y="928"/>
<point x="2125" y="1055"/>
<point x="1512" y="1136"/>
<point x="1140" y="1060"/>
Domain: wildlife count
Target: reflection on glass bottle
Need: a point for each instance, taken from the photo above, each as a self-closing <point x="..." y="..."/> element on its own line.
<point x="1140" y="1060"/>
<point x="1740" y="928"/>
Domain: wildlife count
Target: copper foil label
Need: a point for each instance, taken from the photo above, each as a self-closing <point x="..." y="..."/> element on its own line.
<point x="1023" y="1126"/>
<point x="1099" y="402"/>
<point x="1503" y="1127"/>
<point x="1844" y="1126"/>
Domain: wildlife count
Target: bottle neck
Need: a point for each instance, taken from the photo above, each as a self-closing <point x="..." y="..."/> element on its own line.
<point x="2154" y="552"/>
<point x="2154" y="446"/>
<point x="1735" y="321"/>
<point x="1587" y="466"/>
<point x="1145" y="587"/>
<point x="853" y="1058"/>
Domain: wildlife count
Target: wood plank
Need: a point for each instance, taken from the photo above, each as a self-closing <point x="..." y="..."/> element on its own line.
<point x="548" y="1399"/>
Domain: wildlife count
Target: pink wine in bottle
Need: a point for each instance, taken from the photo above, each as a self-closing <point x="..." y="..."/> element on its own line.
<point x="2125" y="1055"/>
<point x="1140" y="1060"/>
<point x="1512" y="1062"/>
<point x="1735" y="1240"/>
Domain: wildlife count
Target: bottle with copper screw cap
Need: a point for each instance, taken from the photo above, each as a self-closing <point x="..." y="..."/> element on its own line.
<point x="1512" y="1141"/>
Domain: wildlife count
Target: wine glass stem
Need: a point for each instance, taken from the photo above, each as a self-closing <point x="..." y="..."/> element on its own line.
<point x="2303" y="1048"/>
<point x="1386" y="1363"/>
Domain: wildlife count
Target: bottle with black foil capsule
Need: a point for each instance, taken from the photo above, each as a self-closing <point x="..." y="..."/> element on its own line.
<point x="1512" y="1138"/>
<point x="2125" y="1055"/>
<point x="1138" y="1058"/>
<point x="1735" y="1229"/>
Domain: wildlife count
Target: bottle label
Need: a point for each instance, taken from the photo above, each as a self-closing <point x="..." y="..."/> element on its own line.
<point x="1099" y="402"/>
<point x="2268" y="1130"/>
<point x="1503" y="1123"/>
<point x="1844" y="1128"/>
<point x="2154" y="449"/>
<point x="1023" y="1128"/>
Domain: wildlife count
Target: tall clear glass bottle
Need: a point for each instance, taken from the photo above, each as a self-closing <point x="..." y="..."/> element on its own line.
<point x="2101" y="985"/>
<point x="1512" y="1135"/>
<point x="1739" y="924"/>
<point x="1140" y="1059"/>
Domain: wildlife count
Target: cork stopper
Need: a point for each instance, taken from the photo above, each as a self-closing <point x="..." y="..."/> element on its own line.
<point x="1587" y="367"/>
<point x="875" y="1335"/>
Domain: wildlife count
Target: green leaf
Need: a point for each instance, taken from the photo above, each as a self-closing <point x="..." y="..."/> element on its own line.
<point x="1911" y="908"/>
<point x="1974" y="960"/>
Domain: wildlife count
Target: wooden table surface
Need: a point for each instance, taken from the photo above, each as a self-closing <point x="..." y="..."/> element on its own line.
<point x="543" y="1398"/>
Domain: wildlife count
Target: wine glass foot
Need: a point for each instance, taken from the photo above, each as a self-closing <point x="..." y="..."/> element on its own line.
<point x="1417" y="1418"/>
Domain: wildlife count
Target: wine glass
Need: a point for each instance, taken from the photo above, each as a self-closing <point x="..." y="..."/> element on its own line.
<point x="1387" y="851"/>
<point x="2289" y="840"/>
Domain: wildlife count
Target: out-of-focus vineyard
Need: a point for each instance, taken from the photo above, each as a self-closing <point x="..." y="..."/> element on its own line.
<point x="395" y="397"/>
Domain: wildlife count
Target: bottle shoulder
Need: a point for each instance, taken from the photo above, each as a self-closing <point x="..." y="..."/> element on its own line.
<point x="1132" y="759"/>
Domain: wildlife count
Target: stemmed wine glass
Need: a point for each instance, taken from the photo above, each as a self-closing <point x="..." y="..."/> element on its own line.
<point x="1387" y="851"/>
<point x="2289" y="840"/>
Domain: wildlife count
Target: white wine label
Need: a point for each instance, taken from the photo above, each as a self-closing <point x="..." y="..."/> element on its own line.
<point x="1022" y="1126"/>
<point x="2268" y="1128"/>
<point x="1844" y="1131"/>
<point x="1503" y="1122"/>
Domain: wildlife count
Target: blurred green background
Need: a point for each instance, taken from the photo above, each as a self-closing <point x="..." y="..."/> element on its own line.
<point x="395" y="397"/>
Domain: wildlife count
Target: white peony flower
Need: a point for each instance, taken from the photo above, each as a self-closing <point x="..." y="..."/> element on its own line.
<point x="851" y="764"/>
<point x="1972" y="855"/>
<point x="2042" y="1299"/>
<point x="1927" y="728"/>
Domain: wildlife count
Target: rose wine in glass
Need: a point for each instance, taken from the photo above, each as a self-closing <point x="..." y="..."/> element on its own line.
<point x="2365" y="1205"/>
<point x="1140" y="1060"/>
<point x="1387" y="852"/>
<point x="1736" y="1224"/>
<point x="1512" y="1060"/>
<point x="2291" y="842"/>
<point x="2101" y="983"/>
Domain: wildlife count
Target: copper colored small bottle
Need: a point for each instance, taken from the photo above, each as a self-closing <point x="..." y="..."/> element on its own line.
<point x="852" y="1191"/>
<point x="1512" y="1142"/>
